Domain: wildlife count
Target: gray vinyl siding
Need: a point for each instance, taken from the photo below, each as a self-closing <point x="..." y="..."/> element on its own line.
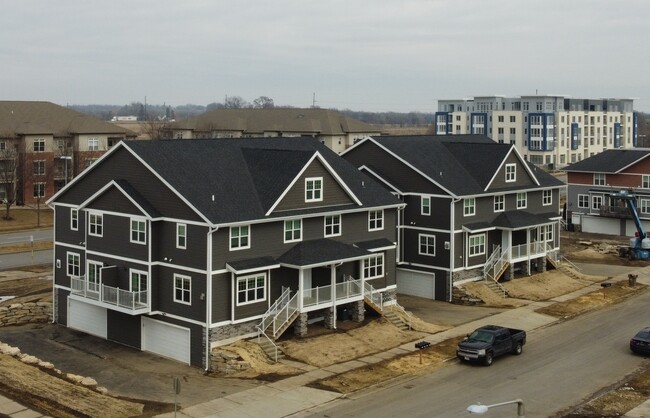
<point x="116" y="239"/>
<point x="245" y="310"/>
<point x="63" y="231"/>
<point x="114" y="200"/>
<point x="60" y="274"/>
<point x="120" y="275"/>
<point x="221" y="297"/>
<point x="333" y="193"/>
<point x="572" y="197"/>
<point x="389" y="277"/>
<point x="62" y="307"/>
<point x="523" y="178"/>
<point x="163" y="293"/>
<point x="123" y="328"/>
<point x="164" y="244"/>
<point x="411" y="244"/>
<point x="438" y="219"/>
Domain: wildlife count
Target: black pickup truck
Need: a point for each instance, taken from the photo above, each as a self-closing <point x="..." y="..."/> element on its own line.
<point x="491" y="341"/>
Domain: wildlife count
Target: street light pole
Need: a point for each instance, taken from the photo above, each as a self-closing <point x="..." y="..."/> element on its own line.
<point x="481" y="409"/>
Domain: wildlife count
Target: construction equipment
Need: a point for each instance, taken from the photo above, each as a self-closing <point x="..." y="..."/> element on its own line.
<point x="639" y="248"/>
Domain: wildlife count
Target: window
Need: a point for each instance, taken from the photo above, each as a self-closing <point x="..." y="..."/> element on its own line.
<point x="73" y="264"/>
<point x="546" y="233"/>
<point x="499" y="203"/>
<point x="138" y="231"/>
<point x="547" y="197"/>
<point x="583" y="201"/>
<point x="139" y="286"/>
<point x="182" y="289"/>
<point x="500" y="118"/>
<point x="89" y="161"/>
<point x="511" y="173"/>
<point x="332" y="225"/>
<point x="521" y="200"/>
<point x="181" y="236"/>
<point x="469" y="206"/>
<point x="645" y="181"/>
<point x="39" y="190"/>
<point x="251" y="289"/>
<point x="293" y="230"/>
<point x="93" y="144"/>
<point x="596" y="202"/>
<point x="240" y="237"/>
<point x="94" y="274"/>
<point x="599" y="179"/>
<point x="512" y="119"/>
<point x="95" y="224"/>
<point x="427" y="244"/>
<point x="644" y="206"/>
<point x="313" y="189"/>
<point x="373" y="267"/>
<point x="476" y="245"/>
<point x="375" y="220"/>
<point x="39" y="145"/>
<point x="74" y="219"/>
<point x="425" y="205"/>
<point x="39" y="168"/>
<point x="3" y="146"/>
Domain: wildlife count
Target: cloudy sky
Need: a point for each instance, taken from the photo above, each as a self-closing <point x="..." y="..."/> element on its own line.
<point x="374" y="55"/>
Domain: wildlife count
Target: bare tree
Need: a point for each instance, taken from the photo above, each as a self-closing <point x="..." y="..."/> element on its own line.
<point x="153" y="129"/>
<point x="235" y="102"/>
<point x="8" y="178"/>
<point x="263" y="102"/>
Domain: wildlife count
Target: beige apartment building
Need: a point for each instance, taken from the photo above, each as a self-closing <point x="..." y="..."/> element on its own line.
<point x="547" y="130"/>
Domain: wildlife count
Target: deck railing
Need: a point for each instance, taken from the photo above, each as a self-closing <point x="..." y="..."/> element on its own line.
<point x="109" y="295"/>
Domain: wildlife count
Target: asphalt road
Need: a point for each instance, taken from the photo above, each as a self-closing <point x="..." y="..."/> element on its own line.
<point x="16" y="260"/>
<point x="26" y="236"/>
<point x="560" y="366"/>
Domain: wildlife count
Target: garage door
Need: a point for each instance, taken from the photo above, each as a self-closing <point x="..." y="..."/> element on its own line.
<point x="88" y="318"/>
<point x="167" y="340"/>
<point x="416" y="283"/>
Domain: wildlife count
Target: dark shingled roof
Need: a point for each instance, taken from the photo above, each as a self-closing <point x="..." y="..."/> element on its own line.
<point x="252" y="263"/>
<point x="609" y="161"/>
<point x="246" y="176"/>
<point x="375" y="243"/>
<point x="516" y="219"/>
<point x="138" y="198"/>
<point x="462" y="164"/>
<point x="320" y="251"/>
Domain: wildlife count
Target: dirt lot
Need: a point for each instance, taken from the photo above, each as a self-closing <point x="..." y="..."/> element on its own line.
<point x="32" y="386"/>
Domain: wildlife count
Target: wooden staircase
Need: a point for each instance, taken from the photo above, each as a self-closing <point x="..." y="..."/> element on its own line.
<point x="398" y="316"/>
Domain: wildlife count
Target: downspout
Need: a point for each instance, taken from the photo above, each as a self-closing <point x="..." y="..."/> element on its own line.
<point x="208" y="297"/>
<point x="54" y="300"/>
<point x="452" y="246"/>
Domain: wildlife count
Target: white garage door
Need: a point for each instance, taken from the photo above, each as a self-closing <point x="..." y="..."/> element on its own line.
<point x="416" y="283"/>
<point x="601" y="225"/>
<point x="167" y="340"/>
<point x="88" y="318"/>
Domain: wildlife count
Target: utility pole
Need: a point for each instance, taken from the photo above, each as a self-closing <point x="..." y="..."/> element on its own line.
<point x="313" y="100"/>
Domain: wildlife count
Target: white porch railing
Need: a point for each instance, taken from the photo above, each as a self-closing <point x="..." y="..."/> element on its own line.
<point x="495" y="263"/>
<point x="323" y="295"/>
<point x="376" y="297"/>
<point x="532" y="249"/>
<point x="109" y="295"/>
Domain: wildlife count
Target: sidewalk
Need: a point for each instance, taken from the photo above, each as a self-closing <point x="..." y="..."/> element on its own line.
<point x="290" y="396"/>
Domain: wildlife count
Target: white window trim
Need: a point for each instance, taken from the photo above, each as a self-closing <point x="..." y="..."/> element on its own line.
<point x="376" y="257"/>
<point x="525" y="200"/>
<point x="101" y="217"/>
<point x="320" y="190"/>
<point x="338" y="234"/>
<point x="181" y="276"/>
<point x="284" y="231"/>
<point x="472" y="207"/>
<point x="604" y="179"/>
<point x="246" y="278"/>
<point x="95" y="147"/>
<point x="381" y="216"/>
<point x="469" y="245"/>
<point x="74" y="228"/>
<point x="587" y="200"/>
<point x="67" y="263"/>
<point x="502" y="198"/>
<point x="550" y="197"/>
<point x="144" y="241"/>
<point x="644" y="203"/>
<point x="511" y="176"/>
<point x="426" y="212"/>
<point x="98" y="283"/>
<point x="230" y="237"/>
<point x="178" y="236"/>
<point x="420" y="236"/>
<point x="593" y="201"/>
<point x="645" y="181"/>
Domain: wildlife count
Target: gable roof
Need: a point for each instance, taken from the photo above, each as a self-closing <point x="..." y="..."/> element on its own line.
<point x="461" y="164"/>
<point x="296" y="120"/>
<point x="237" y="180"/>
<point x="609" y="161"/>
<point x="26" y="117"/>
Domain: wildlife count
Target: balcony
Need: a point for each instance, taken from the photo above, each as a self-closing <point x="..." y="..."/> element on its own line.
<point x="615" y="212"/>
<point x="109" y="297"/>
<point x="531" y="250"/>
<point x="344" y="292"/>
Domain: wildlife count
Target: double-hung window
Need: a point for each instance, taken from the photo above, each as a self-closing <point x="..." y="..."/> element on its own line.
<point x="138" y="231"/>
<point x="73" y="266"/>
<point x="373" y="267"/>
<point x="93" y="144"/>
<point x="469" y="206"/>
<point x="583" y="201"/>
<point x="644" y="206"/>
<point x="547" y="197"/>
<point x="499" y="203"/>
<point x="333" y="225"/>
<point x="427" y="244"/>
<point x="251" y="289"/>
<point x="600" y="179"/>
<point x="522" y="199"/>
<point x="476" y="245"/>
<point x="511" y="173"/>
<point x="39" y="168"/>
<point x="181" y="236"/>
<point x="74" y="219"/>
<point x="596" y="202"/>
<point x="39" y="145"/>
<point x="182" y="289"/>
<point x="240" y="237"/>
<point x="293" y="230"/>
<point x="375" y="220"/>
<point x="645" y="181"/>
<point x="313" y="189"/>
<point x="95" y="224"/>
<point x="425" y="205"/>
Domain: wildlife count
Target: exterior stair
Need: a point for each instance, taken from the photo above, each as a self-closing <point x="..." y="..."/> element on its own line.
<point x="569" y="272"/>
<point x="270" y="349"/>
<point x="396" y="320"/>
<point x="398" y="316"/>
<point x="494" y="286"/>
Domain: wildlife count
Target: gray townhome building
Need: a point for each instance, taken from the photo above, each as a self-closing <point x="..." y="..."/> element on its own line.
<point x="475" y="209"/>
<point x="175" y="247"/>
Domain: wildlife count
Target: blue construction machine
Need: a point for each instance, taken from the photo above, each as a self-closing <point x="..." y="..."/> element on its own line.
<point x="639" y="248"/>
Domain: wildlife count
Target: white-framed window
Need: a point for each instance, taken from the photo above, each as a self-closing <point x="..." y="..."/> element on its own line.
<point x="293" y="230"/>
<point x="313" y="189"/>
<point x="600" y="179"/>
<point x="251" y="289"/>
<point x="427" y="244"/>
<point x="522" y="200"/>
<point x="94" y="276"/>
<point x="333" y="225"/>
<point x="74" y="219"/>
<point x="375" y="220"/>
<point x="596" y="202"/>
<point x="469" y="206"/>
<point x="139" y="285"/>
<point x="476" y="245"/>
<point x="138" y="231"/>
<point x="89" y="161"/>
<point x="39" y="168"/>
<point x="373" y="266"/>
<point x="39" y="145"/>
<point x="511" y="173"/>
<point x="499" y="203"/>
<point x="547" y="197"/>
<point x="546" y="233"/>
<point x="181" y="236"/>
<point x="583" y="201"/>
<point x="425" y="205"/>
<point x="182" y="289"/>
<point x="95" y="224"/>
<point x="645" y="181"/>
<point x="93" y="144"/>
<point x="644" y="206"/>
<point x="240" y="237"/>
<point x="39" y="190"/>
<point x="73" y="264"/>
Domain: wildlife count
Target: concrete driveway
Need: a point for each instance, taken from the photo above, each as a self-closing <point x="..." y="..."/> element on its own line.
<point x="445" y="313"/>
<point x="122" y="370"/>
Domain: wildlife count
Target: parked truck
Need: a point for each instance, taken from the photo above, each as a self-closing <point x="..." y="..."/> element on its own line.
<point x="490" y="341"/>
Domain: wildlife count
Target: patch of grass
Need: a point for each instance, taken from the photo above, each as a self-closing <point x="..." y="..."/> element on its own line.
<point x="25" y="218"/>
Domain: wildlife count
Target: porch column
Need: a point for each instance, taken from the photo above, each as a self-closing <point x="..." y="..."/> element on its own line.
<point x="300" y="289"/>
<point x="528" y="251"/>
<point x="333" y="283"/>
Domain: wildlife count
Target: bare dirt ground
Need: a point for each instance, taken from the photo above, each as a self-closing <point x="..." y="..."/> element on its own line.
<point x="327" y="347"/>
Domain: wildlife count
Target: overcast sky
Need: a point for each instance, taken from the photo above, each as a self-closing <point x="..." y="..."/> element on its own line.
<point x="375" y="55"/>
